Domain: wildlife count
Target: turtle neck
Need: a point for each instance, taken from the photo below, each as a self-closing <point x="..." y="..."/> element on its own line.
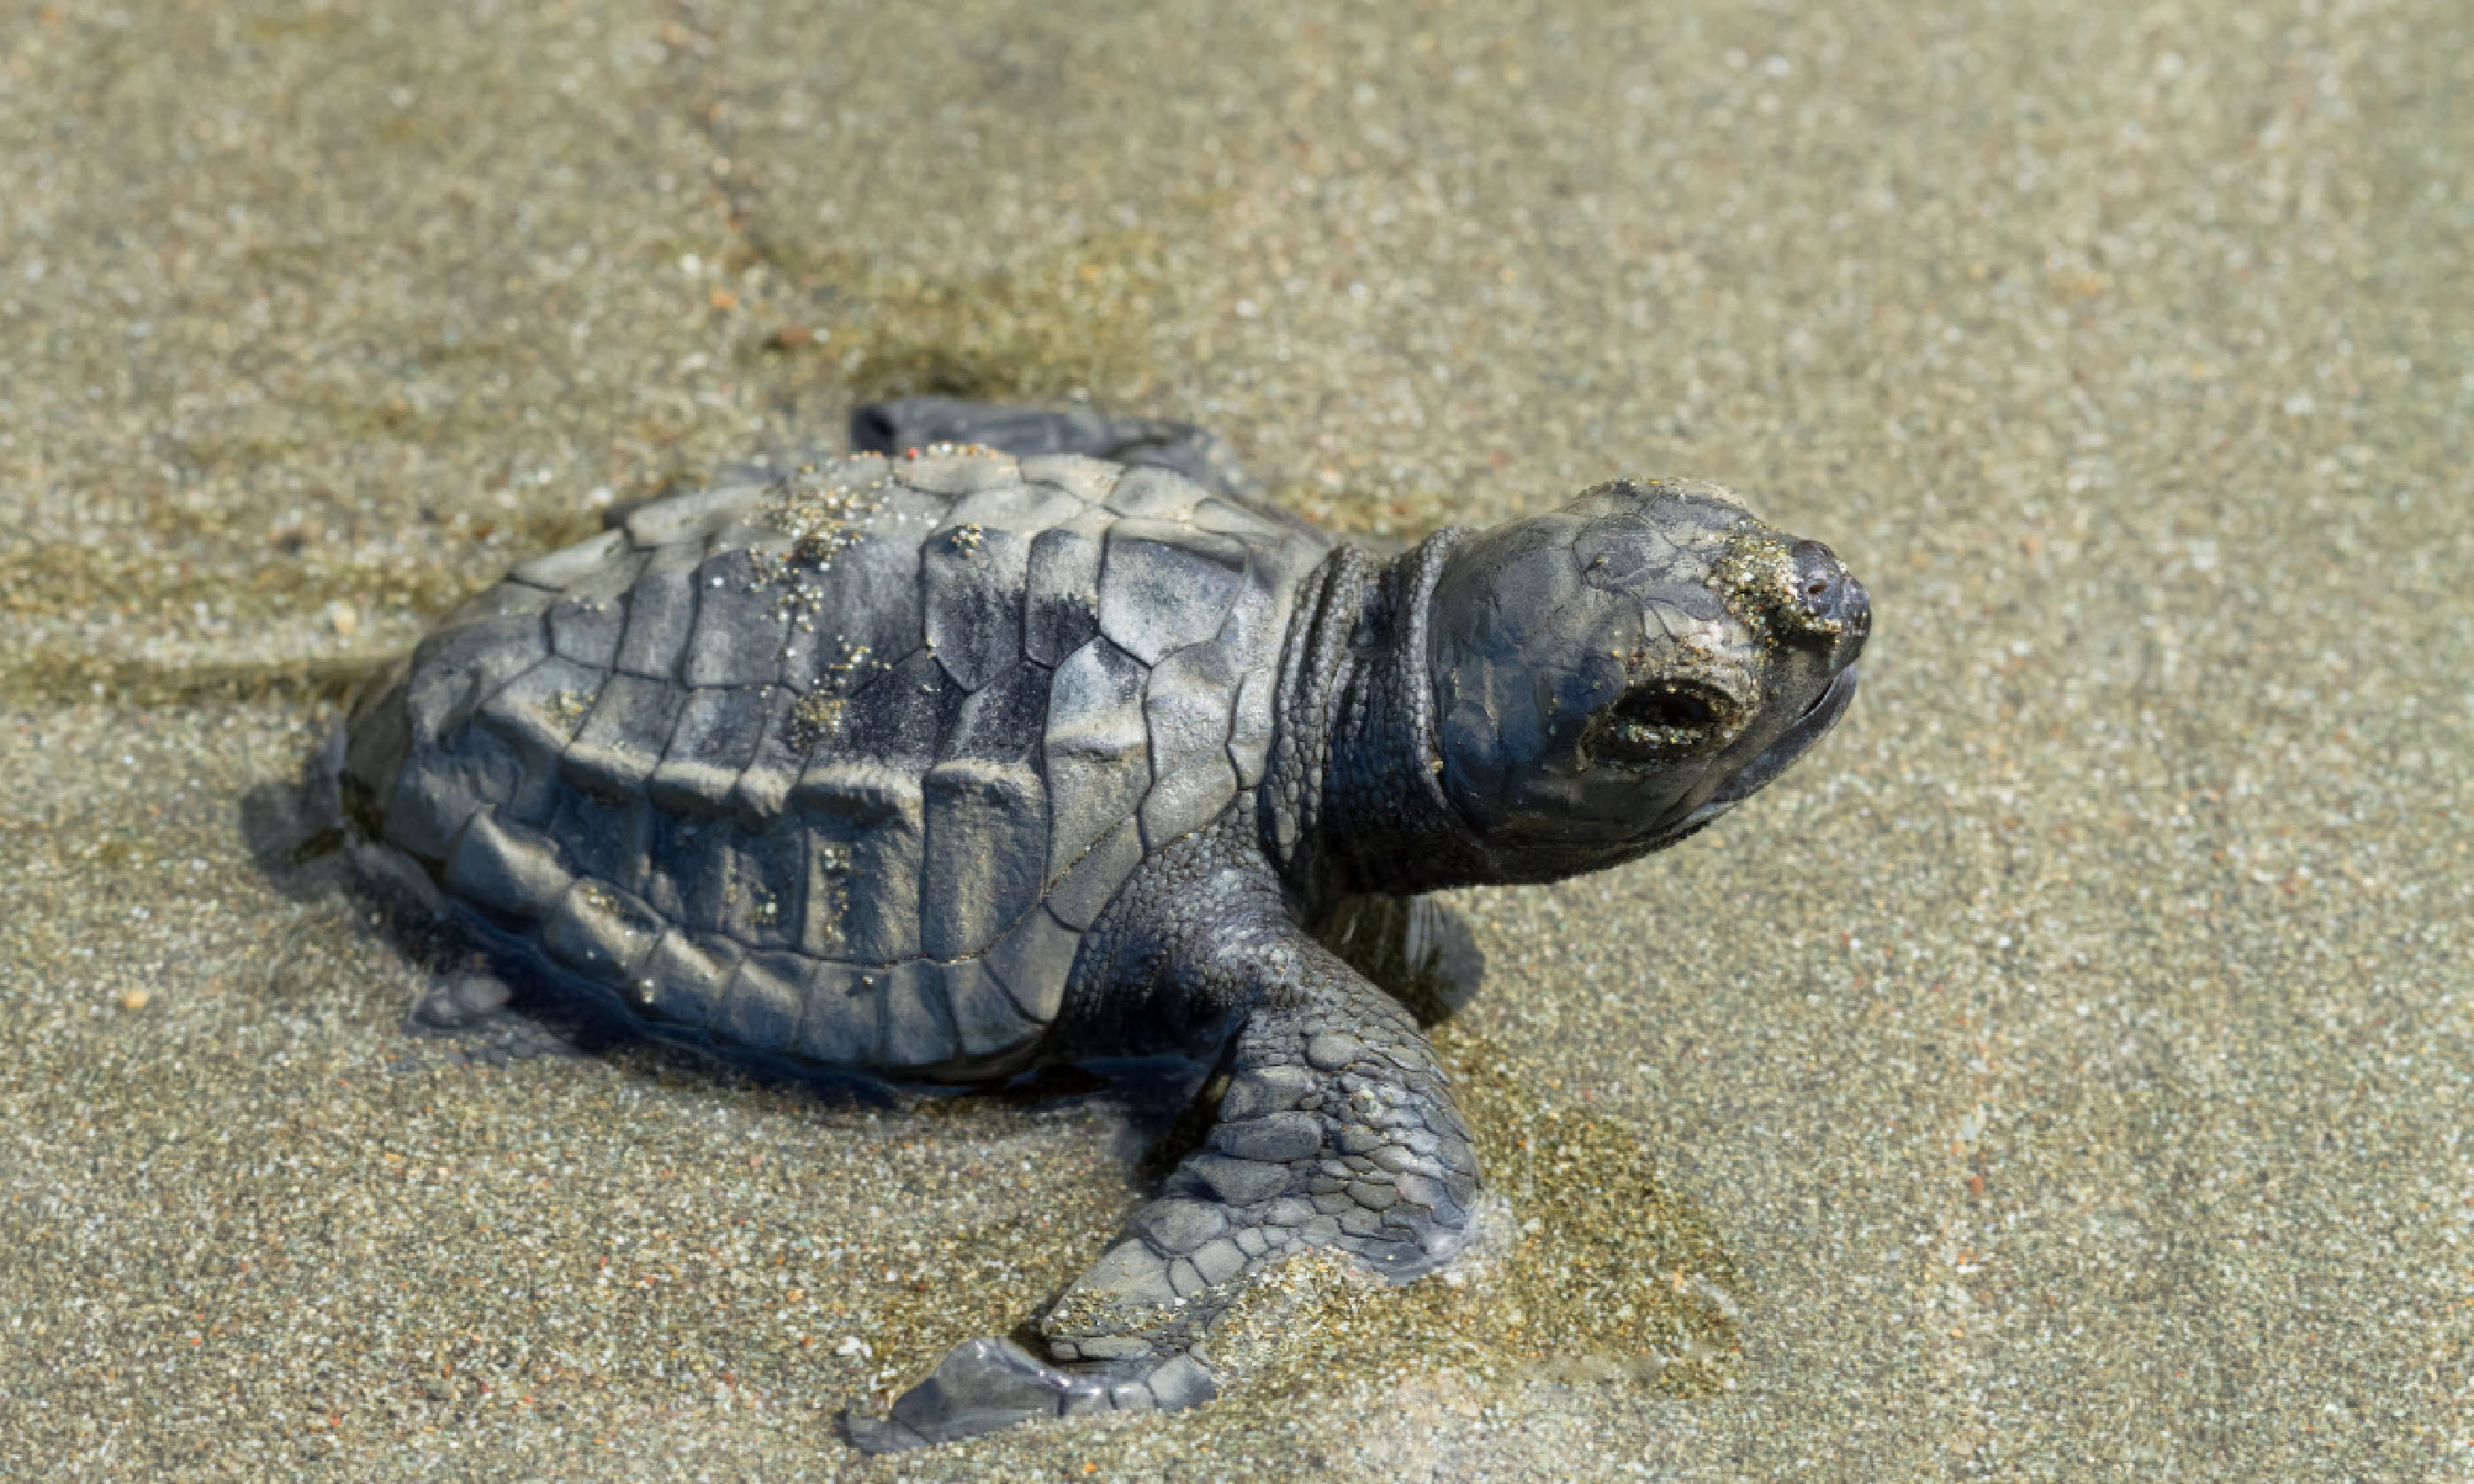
<point x="1352" y="803"/>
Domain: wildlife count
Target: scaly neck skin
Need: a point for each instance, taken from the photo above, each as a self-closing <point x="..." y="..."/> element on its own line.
<point x="1351" y="804"/>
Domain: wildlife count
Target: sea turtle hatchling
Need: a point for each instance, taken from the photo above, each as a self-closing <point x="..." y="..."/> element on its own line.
<point x="943" y="761"/>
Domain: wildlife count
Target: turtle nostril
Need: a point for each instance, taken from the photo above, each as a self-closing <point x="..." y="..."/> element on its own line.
<point x="1820" y="583"/>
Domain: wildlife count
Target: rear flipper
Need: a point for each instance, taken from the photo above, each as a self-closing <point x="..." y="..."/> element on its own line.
<point x="1336" y="1132"/>
<point x="481" y="1021"/>
<point x="916" y="422"/>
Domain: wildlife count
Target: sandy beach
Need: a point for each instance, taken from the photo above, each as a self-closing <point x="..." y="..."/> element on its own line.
<point x="2059" y="1075"/>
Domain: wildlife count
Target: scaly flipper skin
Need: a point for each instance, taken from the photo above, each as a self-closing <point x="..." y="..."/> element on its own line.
<point x="1337" y="1129"/>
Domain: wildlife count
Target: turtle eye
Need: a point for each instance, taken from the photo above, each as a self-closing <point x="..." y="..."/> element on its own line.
<point x="1661" y="722"/>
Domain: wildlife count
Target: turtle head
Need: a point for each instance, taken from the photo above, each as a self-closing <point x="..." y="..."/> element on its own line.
<point x="1611" y="677"/>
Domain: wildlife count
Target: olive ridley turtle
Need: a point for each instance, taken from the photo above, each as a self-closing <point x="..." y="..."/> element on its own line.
<point x="977" y="749"/>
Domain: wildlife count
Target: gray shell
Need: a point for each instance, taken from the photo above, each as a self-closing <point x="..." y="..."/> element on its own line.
<point x="841" y="767"/>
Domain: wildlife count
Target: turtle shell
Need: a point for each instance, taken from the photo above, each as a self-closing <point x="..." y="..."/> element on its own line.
<point x="840" y="766"/>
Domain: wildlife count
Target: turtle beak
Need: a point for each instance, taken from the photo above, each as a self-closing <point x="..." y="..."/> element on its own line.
<point x="1800" y="734"/>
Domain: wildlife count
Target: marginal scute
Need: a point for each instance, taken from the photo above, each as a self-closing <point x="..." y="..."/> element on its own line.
<point x="401" y="879"/>
<point x="754" y="530"/>
<point x="985" y="1019"/>
<point x="608" y="584"/>
<point x="600" y="932"/>
<point x="507" y="600"/>
<point x="683" y="980"/>
<point x="1160" y="495"/>
<point x="904" y="515"/>
<point x="692" y="516"/>
<point x="957" y="473"/>
<point x="750" y="886"/>
<point x="1033" y="960"/>
<point x="1250" y="729"/>
<point x="1086" y="478"/>
<point x="512" y="874"/>
<point x="1165" y="586"/>
<point x="430" y="810"/>
<point x="685" y="871"/>
<point x="1251" y="636"/>
<point x="1084" y="887"/>
<point x="917" y="1030"/>
<point x="1229" y="518"/>
<point x="1025" y="508"/>
<point x="569" y="565"/>
<point x="609" y="842"/>
<point x="1251" y="633"/>
<point x="987" y="840"/>
<point x="760" y="1009"/>
<point x="866" y="469"/>
<point x="838" y="1023"/>
<point x="455" y="669"/>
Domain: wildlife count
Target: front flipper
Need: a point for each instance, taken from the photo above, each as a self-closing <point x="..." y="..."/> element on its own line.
<point x="916" y="422"/>
<point x="1337" y="1131"/>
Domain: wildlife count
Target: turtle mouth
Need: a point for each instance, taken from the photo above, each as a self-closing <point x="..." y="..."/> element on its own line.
<point x="1772" y="760"/>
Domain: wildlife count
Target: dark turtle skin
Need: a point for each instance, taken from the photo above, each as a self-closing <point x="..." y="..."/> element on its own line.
<point x="1020" y="737"/>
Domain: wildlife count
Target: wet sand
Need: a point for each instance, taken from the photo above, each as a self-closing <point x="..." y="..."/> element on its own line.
<point x="2059" y="1075"/>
